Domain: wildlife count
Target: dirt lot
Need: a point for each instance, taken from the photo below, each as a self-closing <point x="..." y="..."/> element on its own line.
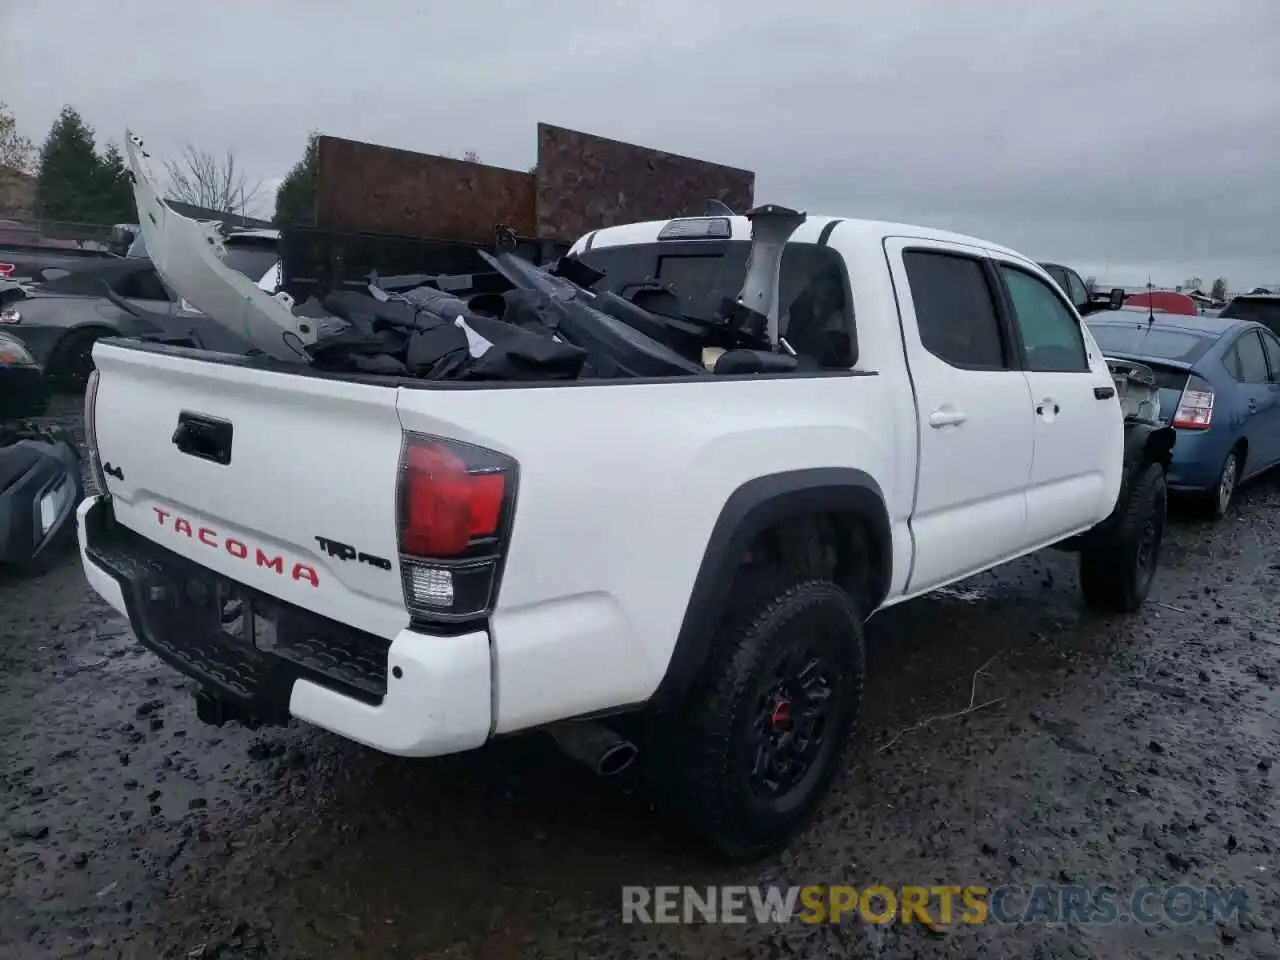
<point x="1120" y="751"/>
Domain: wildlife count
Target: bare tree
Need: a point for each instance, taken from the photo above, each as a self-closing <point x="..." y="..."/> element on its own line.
<point x="471" y="156"/>
<point x="205" y="180"/>
<point x="1219" y="291"/>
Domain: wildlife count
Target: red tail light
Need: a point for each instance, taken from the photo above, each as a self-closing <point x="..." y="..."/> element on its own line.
<point x="1195" y="406"/>
<point x="455" y="504"/>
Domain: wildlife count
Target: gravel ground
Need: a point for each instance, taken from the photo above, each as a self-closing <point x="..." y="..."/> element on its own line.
<point x="1121" y="751"/>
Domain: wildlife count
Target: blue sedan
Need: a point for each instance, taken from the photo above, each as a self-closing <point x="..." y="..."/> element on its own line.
<point x="1219" y="385"/>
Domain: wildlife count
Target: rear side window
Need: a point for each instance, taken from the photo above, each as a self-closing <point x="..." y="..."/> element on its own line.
<point x="1272" y="346"/>
<point x="141" y="285"/>
<point x="955" y="310"/>
<point x="1076" y="289"/>
<point x="1050" y="332"/>
<point x="1246" y="361"/>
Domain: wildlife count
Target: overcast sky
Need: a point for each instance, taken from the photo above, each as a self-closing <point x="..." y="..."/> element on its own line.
<point x="1127" y="138"/>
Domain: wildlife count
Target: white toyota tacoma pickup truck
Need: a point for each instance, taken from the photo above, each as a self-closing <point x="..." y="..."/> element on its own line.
<point x="676" y="565"/>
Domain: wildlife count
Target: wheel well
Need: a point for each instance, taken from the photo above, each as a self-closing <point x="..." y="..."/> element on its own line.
<point x="840" y="546"/>
<point x="56" y="358"/>
<point x="828" y="522"/>
<point x="1243" y="446"/>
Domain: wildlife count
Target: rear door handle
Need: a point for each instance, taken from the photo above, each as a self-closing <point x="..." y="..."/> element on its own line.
<point x="1104" y="393"/>
<point x="207" y="438"/>
<point x="946" y="418"/>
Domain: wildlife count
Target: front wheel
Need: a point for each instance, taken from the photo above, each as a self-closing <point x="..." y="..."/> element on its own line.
<point x="1119" y="565"/>
<point x="748" y="759"/>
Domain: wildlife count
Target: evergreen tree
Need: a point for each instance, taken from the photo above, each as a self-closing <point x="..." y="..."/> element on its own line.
<point x="115" y="192"/>
<point x="296" y="198"/>
<point x="69" y="178"/>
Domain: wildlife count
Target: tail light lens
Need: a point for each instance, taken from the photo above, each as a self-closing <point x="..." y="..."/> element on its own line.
<point x="91" y="431"/>
<point x="454" y="507"/>
<point x="1195" y="406"/>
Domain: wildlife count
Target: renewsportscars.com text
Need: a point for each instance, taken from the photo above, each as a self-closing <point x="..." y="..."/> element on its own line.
<point x="933" y="905"/>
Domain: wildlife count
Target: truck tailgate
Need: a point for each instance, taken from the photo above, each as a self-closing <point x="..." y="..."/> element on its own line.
<point x="310" y="478"/>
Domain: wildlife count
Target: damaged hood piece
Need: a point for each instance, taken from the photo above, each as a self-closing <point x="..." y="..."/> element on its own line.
<point x="188" y="255"/>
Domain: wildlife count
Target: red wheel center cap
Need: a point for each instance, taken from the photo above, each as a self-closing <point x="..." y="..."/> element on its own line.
<point x="781" y="716"/>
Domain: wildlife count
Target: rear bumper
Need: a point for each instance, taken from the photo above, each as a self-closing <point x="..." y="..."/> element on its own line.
<point x="416" y="695"/>
<point x="1198" y="457"/>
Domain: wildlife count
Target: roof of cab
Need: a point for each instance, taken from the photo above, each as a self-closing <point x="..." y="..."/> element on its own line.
<point x="808" y="232"/>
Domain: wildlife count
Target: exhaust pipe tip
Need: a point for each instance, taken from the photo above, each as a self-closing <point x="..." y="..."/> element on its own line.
<point x="616" y="759"/>
<point x="595" y="746"/>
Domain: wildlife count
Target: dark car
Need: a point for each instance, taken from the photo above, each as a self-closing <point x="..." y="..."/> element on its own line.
<point x="1263" y="308"/>
<point x="40" y="478"/>
<point x="61" y="319"/>
<point x="1078" y="292"/>
<point x="26" y="254"/>
<point x="1219" y="385"/>
<point x="23" y="390"/>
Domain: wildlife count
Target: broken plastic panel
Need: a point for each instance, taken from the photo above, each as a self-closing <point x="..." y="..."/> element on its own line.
<point x="188" y="255"/>
<point x="771" y="228"/>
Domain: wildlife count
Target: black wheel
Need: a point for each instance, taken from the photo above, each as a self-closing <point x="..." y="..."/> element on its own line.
<point x="1217" y="502"/>
<point x="750" y="756"/>
<point x="72" y="361"/>
<point x="1118" y="566"/>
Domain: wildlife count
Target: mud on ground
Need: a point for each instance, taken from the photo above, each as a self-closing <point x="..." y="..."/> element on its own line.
<point x="1121" y="751"/>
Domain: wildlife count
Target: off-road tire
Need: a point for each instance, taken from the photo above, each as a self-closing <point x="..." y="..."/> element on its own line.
<point x="702" y="755"/>
<point x="71" y="363"/>
<point x="1118" y="566"/>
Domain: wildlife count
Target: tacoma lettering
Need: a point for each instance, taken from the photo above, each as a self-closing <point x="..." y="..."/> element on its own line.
<point x="237" y="548"/>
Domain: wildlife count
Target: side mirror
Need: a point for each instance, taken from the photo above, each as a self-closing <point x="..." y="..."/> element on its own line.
<point x="1116" y="300"/>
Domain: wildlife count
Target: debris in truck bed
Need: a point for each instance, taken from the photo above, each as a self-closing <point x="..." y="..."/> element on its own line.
<point x="432" y="335"/>
<point x="550" y="325"/>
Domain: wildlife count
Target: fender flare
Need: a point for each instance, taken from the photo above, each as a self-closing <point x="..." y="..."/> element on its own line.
<point x="750" y="510"/>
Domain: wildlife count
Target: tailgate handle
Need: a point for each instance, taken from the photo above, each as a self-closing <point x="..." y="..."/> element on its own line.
<point x="205" y="437"/>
